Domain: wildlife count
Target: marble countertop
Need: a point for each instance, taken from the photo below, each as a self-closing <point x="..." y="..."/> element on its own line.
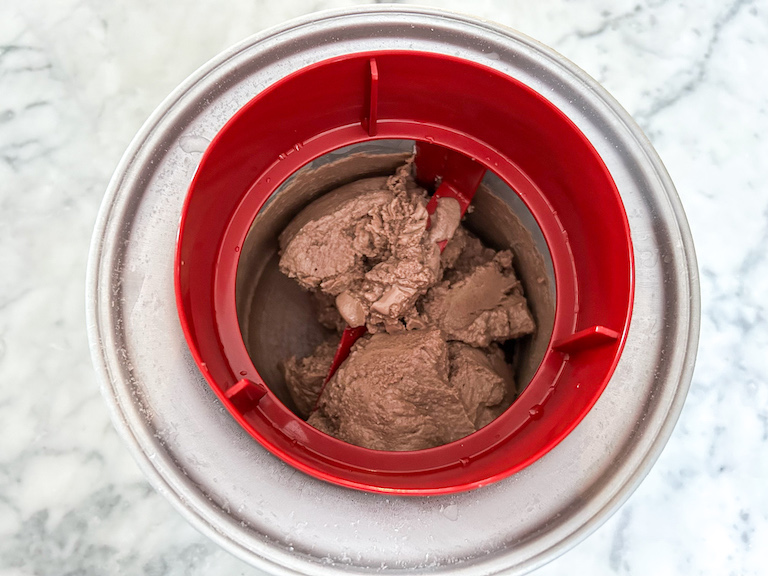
<point x="77" y="80"/>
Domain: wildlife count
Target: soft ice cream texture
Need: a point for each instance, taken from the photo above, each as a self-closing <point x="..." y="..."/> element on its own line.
<point x="430" y="371"/>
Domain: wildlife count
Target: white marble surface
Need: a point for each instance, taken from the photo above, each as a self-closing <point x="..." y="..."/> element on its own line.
<point x="78" y="78"/>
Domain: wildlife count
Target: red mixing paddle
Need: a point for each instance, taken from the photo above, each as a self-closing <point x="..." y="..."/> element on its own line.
<point x="460" y="178"/>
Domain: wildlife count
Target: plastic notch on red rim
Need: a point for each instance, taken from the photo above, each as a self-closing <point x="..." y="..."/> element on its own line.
<point x="480" y="113"/>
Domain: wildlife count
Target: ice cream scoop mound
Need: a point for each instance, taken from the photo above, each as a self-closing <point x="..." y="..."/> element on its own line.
<point x="394" y="393"/>
<point x="368" y="243"/>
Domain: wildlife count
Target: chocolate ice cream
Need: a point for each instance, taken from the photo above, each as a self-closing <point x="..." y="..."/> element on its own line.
<point x="304" y="377"/>
<point x="367" y="244"/>
<point x="394" y="393"/>
<point x="483" y="305"/>
<point x="430" y="370"/>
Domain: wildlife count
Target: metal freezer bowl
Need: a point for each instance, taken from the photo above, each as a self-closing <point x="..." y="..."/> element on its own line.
<point x="283" y="521"/>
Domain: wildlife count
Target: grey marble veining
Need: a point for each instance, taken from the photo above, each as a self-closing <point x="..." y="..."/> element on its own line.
<point x="77" y="79"/>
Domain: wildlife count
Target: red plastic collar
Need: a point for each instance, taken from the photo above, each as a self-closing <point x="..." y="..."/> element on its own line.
<point x="460" y="105"/>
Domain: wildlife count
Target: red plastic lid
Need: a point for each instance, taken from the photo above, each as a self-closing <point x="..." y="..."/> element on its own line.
<point x="470" y="109"/>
